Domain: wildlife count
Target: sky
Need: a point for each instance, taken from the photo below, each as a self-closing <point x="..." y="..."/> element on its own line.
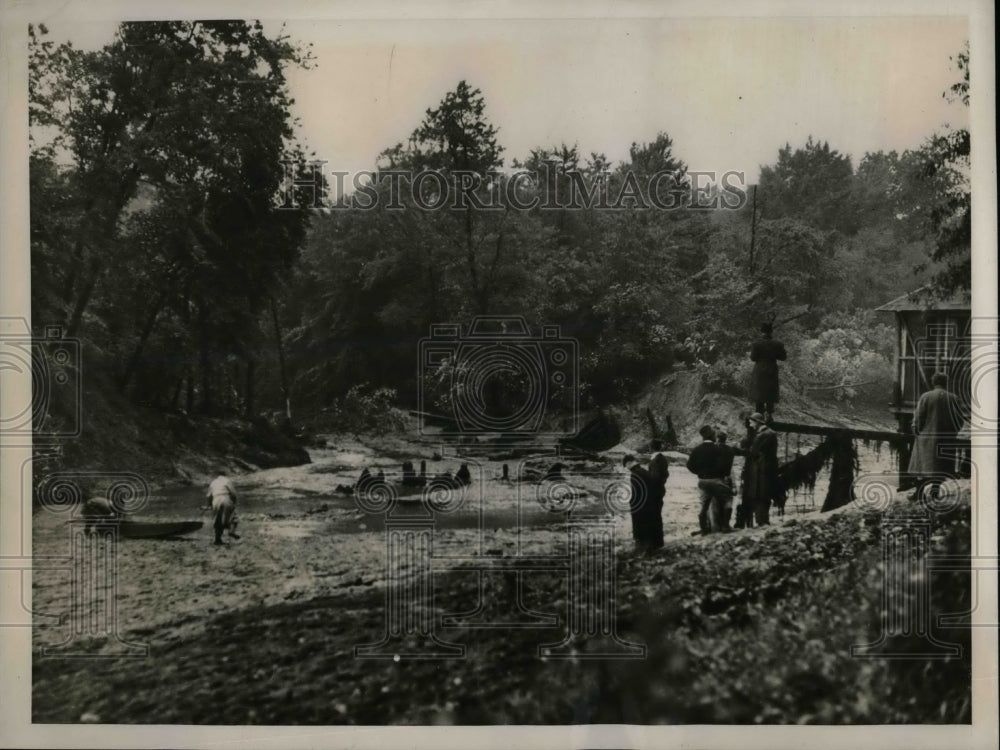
<point x="729" y="91"/>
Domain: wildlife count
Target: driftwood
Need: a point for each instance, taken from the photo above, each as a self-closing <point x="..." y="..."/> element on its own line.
<point x="599" y="434"/>
<point x="835" y="387"/>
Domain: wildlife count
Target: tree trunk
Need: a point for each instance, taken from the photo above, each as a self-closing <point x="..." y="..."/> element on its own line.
<point x="204" y="359"/>
<point x="78" y="254"/>
<point x="147" y="329"/>
<point x="73" y="325"/>
<point x="97" y="267"/>
<point x="249" y="405"/>
<point x="281" y="358"/>
<point x="74" y="271"/>
<point x="177" y="393"/>
<point x="470" y="256"/>
<point x="189" y="383"/>
<point x="188" y="353"/>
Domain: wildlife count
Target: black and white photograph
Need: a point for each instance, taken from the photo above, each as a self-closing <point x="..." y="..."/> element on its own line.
<point x="532" y="375"/>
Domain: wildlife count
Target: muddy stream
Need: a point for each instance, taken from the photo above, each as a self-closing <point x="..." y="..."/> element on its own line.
<point x="302" y="538"/>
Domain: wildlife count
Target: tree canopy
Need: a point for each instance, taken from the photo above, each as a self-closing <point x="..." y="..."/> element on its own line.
<point x="159" y="157"/>
<point x="157" y="236"/>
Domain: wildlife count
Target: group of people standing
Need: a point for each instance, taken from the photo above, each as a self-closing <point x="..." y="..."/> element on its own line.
<point x="649" y="487"/>
<point x="712" y="462"/>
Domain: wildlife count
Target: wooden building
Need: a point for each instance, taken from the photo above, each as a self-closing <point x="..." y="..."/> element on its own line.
<point x="932" y="335"/>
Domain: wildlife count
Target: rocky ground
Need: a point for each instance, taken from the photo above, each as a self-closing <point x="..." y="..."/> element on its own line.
<point x="754" y="626"/>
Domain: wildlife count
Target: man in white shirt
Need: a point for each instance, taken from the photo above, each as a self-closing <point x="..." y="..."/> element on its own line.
<point x="222" y="496"/>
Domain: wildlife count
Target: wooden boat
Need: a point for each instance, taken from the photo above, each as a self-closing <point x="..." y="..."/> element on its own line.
<point x="157" y="529"/>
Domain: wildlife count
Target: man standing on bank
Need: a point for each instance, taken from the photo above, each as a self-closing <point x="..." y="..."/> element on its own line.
<point x="765" y="354"/>
<point x="762" y="482"/>
<point x="936" y="422"/>
<point x="645" y="505"/>
<point x="706" y="462"/>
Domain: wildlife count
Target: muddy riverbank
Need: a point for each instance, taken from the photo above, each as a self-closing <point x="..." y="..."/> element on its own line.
<point x="264" y="629"/>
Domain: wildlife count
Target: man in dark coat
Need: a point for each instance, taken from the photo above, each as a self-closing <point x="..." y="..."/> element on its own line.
<point x="659" y="472"/>
<point x="646" y="506"/>
<point x="762" y="483"/>
<point x="706" y="461"/>
<point x="659" y="467"/>
<point x="727" y="454"/>
<point x="936" y="423"/>
<point x="765" y="354"/>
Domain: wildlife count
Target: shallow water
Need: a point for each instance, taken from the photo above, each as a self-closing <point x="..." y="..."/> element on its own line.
<point x="301" y="538"/>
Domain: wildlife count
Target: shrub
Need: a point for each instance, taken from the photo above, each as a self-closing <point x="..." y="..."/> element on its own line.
<point x="364" y="408"/>
<point x="729" y="374"/>
<point x="851" y="349"/>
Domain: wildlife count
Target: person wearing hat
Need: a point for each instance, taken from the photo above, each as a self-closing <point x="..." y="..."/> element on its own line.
<point x="762" y="484"/>
<point x="765" y="354"/>
<point x="645" y="505"/>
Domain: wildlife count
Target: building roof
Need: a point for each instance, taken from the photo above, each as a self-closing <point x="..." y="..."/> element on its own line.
<point x="924" y="299"/>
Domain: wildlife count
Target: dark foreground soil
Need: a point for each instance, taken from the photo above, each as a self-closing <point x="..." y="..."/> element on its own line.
<point x="750" y="627"/>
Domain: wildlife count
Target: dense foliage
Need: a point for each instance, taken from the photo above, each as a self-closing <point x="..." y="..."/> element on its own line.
<point x="155" y="236"/>
<point x="158" y="237"/>
<point x="815" y="246"/>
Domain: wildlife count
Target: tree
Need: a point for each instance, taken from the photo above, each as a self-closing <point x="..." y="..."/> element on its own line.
<point x="456" y="135"/>
<point x="456" y="141"/>
<point x="174" y="134"/>
<point x="946" y="168"/>
<point x="811" y="184"/>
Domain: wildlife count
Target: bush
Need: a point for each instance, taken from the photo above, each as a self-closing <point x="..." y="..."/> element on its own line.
<point x="620" y="363"/>
<point x="851" y="349"/>
<point x="365" y="408"/>
<point x="729" y="374"/>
